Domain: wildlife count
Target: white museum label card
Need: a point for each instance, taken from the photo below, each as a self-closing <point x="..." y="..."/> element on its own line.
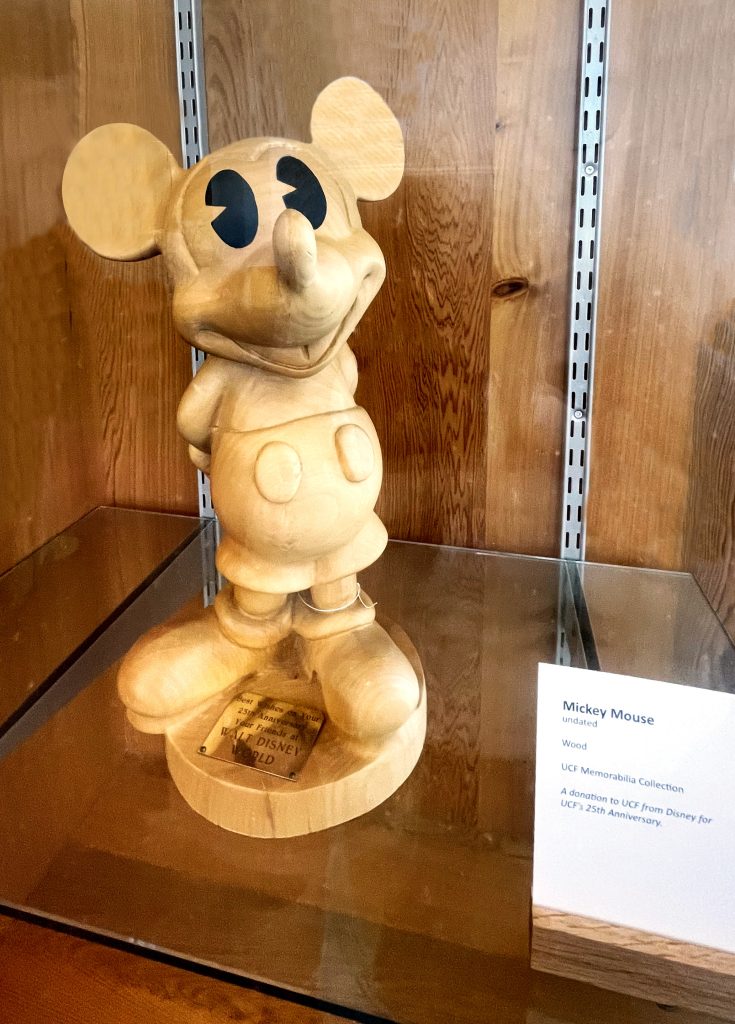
<point x="635" y="804"/>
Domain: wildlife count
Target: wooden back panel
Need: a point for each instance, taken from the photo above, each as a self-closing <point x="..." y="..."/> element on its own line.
<point x="667" y="248"/>
<point x="48" y="444"/>
<point x="127" y="72"/>
<point x="663" y="436"/>
<point x="91" y="369"/>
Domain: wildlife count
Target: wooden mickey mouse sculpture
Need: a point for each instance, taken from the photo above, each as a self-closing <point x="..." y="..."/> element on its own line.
<point x="271" y="271"/>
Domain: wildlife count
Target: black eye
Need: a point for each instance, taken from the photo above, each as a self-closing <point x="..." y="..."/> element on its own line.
<point x="309" y="196"/>
<point x="237" y="225"/>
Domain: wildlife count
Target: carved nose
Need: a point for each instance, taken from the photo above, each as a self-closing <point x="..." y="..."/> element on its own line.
<point x="294" y="246"/>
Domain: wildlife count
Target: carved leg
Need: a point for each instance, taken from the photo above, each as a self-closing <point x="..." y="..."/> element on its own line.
<point x="368" y="685"/>
<point x="191" y="658"/>
<point x="253" y="619"/>
<point x="335" y="594"/>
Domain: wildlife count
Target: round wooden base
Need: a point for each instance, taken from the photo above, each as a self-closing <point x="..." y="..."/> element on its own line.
<point x="341" y="780"/>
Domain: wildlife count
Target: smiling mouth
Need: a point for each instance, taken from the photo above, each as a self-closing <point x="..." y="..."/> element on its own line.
<point x="304" y="360"/>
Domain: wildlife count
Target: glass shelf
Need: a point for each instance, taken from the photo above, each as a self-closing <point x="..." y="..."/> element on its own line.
<point x="71" y="592"/>
<point x="417" y="912"/>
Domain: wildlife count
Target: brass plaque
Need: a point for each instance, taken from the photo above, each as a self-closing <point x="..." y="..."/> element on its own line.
<point x="264" y="733"/>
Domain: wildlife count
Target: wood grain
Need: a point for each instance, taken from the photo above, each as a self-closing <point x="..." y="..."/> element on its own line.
<point x="121" y="314"/>
<point x="92" y="370"/>
<point x="49" y="442"/>
<point x="45" y="975"/>
<point x="139" y="369"/>
<point x="93" y="984"/>
<point x="638" y="963"/>
<point x="537" y="57"/>
<point x="709" y="525"/>
<point x="667" y="263"/>
<point x="447" y="385"/>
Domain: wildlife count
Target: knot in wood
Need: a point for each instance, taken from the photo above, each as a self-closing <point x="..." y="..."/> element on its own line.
<point x="510" y="287"/>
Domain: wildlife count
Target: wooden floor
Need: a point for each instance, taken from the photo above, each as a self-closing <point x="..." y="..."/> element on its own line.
<point x="49" y="976"/>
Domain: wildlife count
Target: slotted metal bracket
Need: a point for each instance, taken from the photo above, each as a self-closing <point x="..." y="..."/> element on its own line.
<point x="585" y="260"/>
<point x="195" y="145"/>
<point x="575" y="641"/>
<point x="572" y="609"/>
<point x="194" y="137"/>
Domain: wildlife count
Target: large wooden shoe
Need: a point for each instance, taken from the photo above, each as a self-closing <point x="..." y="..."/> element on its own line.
<point x="180" y="665"/>
<point x="368" y="685"/>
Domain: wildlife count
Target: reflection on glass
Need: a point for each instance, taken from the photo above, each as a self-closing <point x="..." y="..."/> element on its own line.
<point x="418" y="911"/>
<point x="55" y="599"/>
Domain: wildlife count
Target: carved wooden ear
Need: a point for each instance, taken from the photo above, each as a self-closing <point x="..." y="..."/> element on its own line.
<point x="358" y="131"/>
<point x="116" y="185"/>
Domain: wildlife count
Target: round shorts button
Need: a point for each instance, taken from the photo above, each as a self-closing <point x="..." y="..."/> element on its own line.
<point x="277" y="472"/>
<point x="355" y="451"/>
